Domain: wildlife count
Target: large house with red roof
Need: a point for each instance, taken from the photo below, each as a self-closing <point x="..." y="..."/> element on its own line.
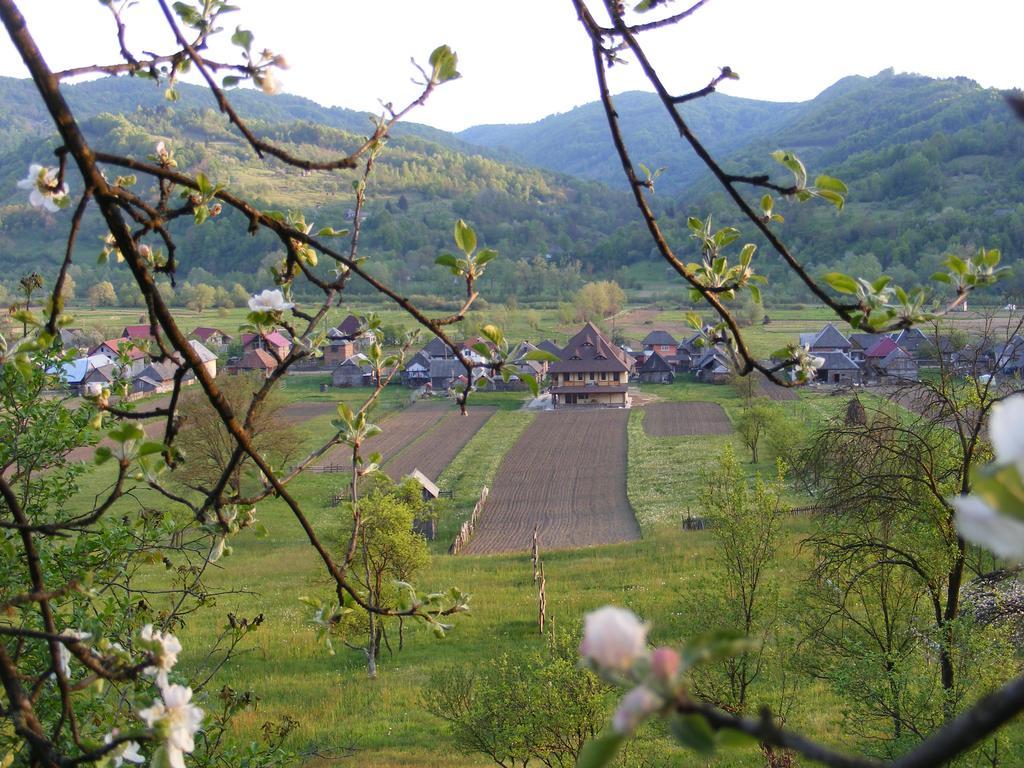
<point x="591" y="371"/>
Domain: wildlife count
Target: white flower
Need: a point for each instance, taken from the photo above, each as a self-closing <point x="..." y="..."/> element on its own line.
<point x="978" y="523"/>
<point x="93" y="389"/>
<point x="268" y="83"/>
<point x="269" y="301"/>
<point x="176" y="720"/>
<point x="43" y="183"/>
<point x="635" y="707"/>
<point x="64" y="655"/>
<point x="613" y="638"/>
<point x="1006" y="427"/>
<point x="165" y="650"/>
<point x="127" y="750"/>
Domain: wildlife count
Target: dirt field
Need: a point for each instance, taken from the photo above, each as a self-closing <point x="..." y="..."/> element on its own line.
<point x="568" y="473"/>
<point x="434" y="451"/>
<point x="399" y="431"/>
<point x="675" y="419"/>
<point x="777" y="393"/>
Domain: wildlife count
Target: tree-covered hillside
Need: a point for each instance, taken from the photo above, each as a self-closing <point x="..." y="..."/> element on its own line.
<point x="418" y="189"/>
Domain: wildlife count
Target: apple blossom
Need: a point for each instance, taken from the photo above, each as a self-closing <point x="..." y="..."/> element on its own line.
<point x="665" y="664"/>
<point x="269" y="301"/>
<point x="1006" y="428"/>
<point x="64" y="655"/>
<point x="45" y="192"/>
<point x="165" y="649"/>
<point x="978" y="523"/>
<point x="176" y="720"/>
<point x="613" y="638"/>
<point x="635" y="707"/>
<point x="125" y="751"/>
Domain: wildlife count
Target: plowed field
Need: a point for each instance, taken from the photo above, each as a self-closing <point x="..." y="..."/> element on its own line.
<point x="398" y="431"/>
<point x="433" y="452"/>
<point x="777" y="393"/>
<point x="675" y="419"/>
<point x="566" y="472"/>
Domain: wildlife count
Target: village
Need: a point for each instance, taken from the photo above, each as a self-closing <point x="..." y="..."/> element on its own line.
<point x="587" y="370"/>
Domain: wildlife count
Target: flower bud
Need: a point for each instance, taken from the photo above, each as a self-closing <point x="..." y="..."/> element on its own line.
<point x="665" y="664"/>
<point x="635" y="707"/>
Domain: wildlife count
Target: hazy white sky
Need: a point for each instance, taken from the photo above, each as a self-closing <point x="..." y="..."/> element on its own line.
<point x="524" y="59"/>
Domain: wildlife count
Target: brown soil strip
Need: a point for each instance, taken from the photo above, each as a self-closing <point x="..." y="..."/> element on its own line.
<point x="688" y="418"/>
<point x="434" y="451"/>
<point x="567" y="473"/>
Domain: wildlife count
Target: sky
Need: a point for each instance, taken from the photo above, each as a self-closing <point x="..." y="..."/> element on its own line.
<point x="524" y="59"/>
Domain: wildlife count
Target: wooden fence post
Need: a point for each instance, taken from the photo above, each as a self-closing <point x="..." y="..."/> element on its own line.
<point x="542" y="600"/>
<point x="535" y="557"/>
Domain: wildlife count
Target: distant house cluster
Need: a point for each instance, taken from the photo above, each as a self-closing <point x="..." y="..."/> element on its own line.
<point x="863" y="358"/>
<point x="663" y="357"/>
<point x="129" y="358"/>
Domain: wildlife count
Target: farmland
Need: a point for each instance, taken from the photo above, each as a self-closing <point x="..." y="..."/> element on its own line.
<point x="397" y="432"/>
<point x="567" y="474"/>
<point x="685" y="418"/>
<point x="434" y="450"/>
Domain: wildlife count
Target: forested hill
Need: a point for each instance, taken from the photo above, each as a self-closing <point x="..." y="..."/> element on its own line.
<point x="578" y="142"/>
<point x="419" y="187"/>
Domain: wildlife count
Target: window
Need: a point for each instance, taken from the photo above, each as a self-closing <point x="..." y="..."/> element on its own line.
<point x="579" y="376"/>
<point x="603" y="375"/>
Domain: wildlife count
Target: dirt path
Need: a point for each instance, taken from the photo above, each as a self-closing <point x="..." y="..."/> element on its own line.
<point x="567" y="473"/>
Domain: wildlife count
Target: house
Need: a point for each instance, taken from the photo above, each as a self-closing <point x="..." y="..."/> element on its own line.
<point x="337" y="350"/>
<point x="911" y="340"/>
<point x="428" y="491"/>
<point x="1009" y="357"/>
<point x="353" y="372"/>
<point x="591" y="371"/>
<point x="113" y="348"/>
<point x="879" y="350"/>
<point x="417" y="371"/>
<point x="713" y="367"/>
<point x="860" y="343"/>
<point x="72" y="373"/>
<point x="436" y="349"/>
<point x="549" y="346"/>
<point x="157" y="377"/>
<point x="661" y="342"/>
<point x="898" y="365"/>
<point x="207" y="359"/>
<point x="103" y="375"/>
<point x="255" y="360"/>
<point x="274" y="342"/>
<point x="212" y="338"/>
<point x="74" y="339"/>
<point x="828" y="339"/>
<point x="137" y="332"/>
<point x="444" y="373"/>
<point x="839" y="368"/>
<point x="349" y="328"/>
<point x="656" y="370"/>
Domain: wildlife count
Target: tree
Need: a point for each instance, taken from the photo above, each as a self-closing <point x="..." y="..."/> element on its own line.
<point x="390" y="554"/>
<point x="745" y="520"/>
<point x="755" y="422"/>
<point x="540" y="707"/>
<point x="102" y="294"/>
<point x="210" y="447"/>
<point x="596" y="301"/>
<point x="887" y="592"/>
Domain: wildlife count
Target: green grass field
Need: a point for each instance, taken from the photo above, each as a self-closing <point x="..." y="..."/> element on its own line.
<point x="659" y="577"/>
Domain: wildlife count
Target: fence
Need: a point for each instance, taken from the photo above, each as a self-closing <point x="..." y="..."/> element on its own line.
<point x="466" y="531"/>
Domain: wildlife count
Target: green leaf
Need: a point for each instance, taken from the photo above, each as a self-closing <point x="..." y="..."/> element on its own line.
<point x="600" y="751"/>
<point x="242" y="38"/>
<point x="450" y="261"/>
<point x="485" y="256"/>
<point x="531" y="382"/>
<point x="842" y="283"/>
<point x="792" y="162"/>
<point x="465" y="237"/>
<point x="103" y="455"/>
<point x="541" y="356"/>
<point x="831" y="184"/>
<point x="755" y="294"/>
<point x="444" y="62"/>
<point x="694" y="732"/>
<point x="126" y="431"/>
<point x="941" y="277"/>
<point x="332" y="232"/>
<point x="230" y="81"/>
<point x="833" y="197"/>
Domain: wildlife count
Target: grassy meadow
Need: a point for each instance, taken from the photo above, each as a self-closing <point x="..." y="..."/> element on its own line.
<point x="661" y="577"/>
